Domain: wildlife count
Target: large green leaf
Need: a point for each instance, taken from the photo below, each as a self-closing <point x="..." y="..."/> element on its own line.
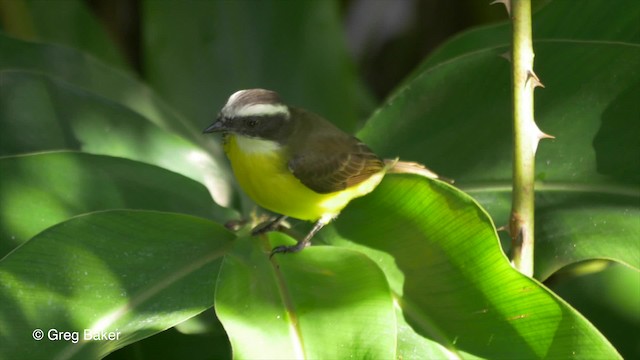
<point x="41" y="190"/>
<point x="134" y="273"/>
<point x="40" y="113"/>
<point x="443" y="261"/>
<point x="293" y="47"/>
<point x="324" y="303"/>
<point x="441" y="257"/>
<point x="576" y="224"/>
<point x="444" y="115"/>
<point x="588" y="20"/>
<point x="412" y="345"/>
<point x="92" y="75"/>
<point x="438" y="251"/>
<point x="588" y="194"/>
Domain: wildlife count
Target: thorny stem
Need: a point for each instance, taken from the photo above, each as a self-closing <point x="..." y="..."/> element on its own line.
<point x="526" y="136"/>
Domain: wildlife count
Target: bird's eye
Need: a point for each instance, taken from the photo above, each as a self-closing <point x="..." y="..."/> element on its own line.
<point x="252" y="122"/>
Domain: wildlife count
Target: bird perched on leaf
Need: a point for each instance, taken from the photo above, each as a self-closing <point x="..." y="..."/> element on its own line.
<point x="295" y="163"/>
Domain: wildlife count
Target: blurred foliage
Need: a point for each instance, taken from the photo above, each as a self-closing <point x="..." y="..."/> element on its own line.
<point x="112" y="203"/>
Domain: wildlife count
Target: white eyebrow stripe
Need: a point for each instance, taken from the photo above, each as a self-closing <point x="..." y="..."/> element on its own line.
<point x="262" y="110"/>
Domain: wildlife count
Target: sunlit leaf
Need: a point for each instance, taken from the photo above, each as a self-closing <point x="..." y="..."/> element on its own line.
<point x="44" y="113"/>
<point x="452" y="280"/>
<point x="324" y="302"/>
<point x="94" y="76"/>
<point x="134" y="273"/>
<point x="587" y="177"/>
<point x="171" y="344"/>
<point x="41" y="190"/>
<point x="414" y="270"/>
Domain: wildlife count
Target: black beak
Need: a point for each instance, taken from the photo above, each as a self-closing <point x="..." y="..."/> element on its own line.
<point x="217" y="126"/>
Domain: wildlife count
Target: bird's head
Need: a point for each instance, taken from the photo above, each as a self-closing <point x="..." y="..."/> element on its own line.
<point x="254" y="113"/>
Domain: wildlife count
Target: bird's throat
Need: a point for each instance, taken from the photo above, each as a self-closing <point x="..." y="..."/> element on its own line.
<point x="256" y="146"/>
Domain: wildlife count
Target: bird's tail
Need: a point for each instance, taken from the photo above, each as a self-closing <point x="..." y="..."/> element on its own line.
<point x="395" y="166"/>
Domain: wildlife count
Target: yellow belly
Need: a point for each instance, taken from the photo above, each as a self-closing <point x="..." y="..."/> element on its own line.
<point x="261" y="170"/>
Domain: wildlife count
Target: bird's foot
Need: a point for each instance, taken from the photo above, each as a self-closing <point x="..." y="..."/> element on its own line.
<point x="284" y="249"/>
<point x="268" y="226"/>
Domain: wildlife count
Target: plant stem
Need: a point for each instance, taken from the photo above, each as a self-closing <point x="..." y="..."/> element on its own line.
<point x="526" y="136"/>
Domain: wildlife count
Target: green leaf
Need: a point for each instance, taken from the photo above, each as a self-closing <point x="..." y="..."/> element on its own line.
<point x="412" y="345"/>
<point x="294" y="47"/>
<point x="92" y="75"/>
<point x="577" y="224"/>
<point x="70" y="22"/>
<point x="134" y="273"/>
<point x="324" y="302"/>
<point x="588" y="106"/>
<point x="591" y="20"/>
<point x="171" y="344"/>
<point x="452" y="280"/>
<point x="588" y="196"/>
<point x="610" y="299"/>
<point x="44" y="113"/>
<point x="414" y="249"/>
<point x="41" y="190"/>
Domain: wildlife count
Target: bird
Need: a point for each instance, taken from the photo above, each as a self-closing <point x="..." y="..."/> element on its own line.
<point x="294" y="162"/>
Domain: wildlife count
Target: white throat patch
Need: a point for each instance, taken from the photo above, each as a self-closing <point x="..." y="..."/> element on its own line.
<point x="256" y="146"/>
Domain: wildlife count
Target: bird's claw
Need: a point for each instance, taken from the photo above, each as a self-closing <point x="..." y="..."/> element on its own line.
<point x="284" y="249"/>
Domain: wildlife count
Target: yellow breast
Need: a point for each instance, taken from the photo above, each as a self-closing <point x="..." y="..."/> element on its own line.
<point x="260" y="166"/>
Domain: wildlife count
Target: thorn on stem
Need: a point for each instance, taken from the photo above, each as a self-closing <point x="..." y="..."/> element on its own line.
<point x="506" y="55"/>
<point x="506" y="3"/>
<point x="504" y="228"/>
<point x="515" y="227"/>
<point x="542" y="135"/>
<point x="531" y="76"/>
<point x="539" y="135"/>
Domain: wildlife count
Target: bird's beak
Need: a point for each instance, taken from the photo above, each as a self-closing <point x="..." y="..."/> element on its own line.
<point x="217" y="126"/>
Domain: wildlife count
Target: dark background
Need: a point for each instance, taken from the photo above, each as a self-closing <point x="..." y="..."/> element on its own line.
<point x="386" y="38"/>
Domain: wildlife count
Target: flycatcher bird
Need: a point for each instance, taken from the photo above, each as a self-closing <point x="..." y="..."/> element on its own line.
<point x="293" y="162"/>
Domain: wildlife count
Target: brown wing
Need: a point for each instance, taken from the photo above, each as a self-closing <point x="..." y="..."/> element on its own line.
<point x="334" y="165"/>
